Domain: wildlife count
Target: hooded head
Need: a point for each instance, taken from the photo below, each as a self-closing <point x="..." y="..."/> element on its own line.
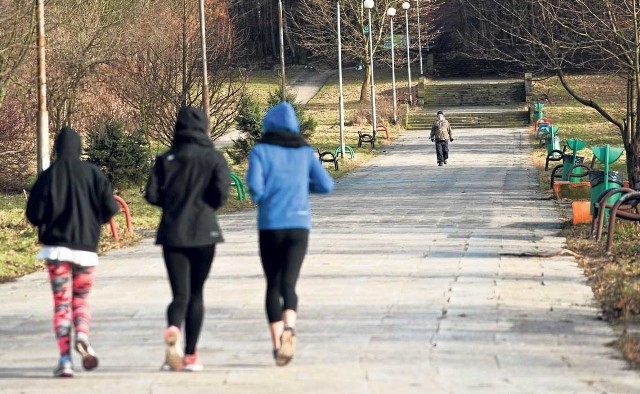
<point x="67" y="144"/>
<point x="281" y="117"/>
<point x="192" y="124"/>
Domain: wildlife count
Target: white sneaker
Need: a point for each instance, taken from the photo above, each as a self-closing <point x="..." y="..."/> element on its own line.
<point x="89" y="356"/>
<point x="174" y="354"/>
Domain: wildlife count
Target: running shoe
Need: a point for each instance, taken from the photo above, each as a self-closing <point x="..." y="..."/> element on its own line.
<point x="89" y="356"/>
<point x="65" y="368"/>
<point x="174" y="355"/>
<point x="287" y="346"/>
<point x="191" y="363"/>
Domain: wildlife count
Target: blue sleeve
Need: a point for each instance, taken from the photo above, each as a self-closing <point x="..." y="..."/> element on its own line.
<point x="319" y="179"/>
<point x="255" y="176"/>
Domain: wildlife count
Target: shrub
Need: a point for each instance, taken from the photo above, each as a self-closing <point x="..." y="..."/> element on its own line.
<point x="124" y="157"/>
<point x="249" y="122"/>
<point x="17" y="147"/>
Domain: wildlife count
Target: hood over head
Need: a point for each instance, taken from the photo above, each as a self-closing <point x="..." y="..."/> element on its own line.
<point x="192" y="125"/>
<point x="67" y="144"/>
<point x="281" y="117"/>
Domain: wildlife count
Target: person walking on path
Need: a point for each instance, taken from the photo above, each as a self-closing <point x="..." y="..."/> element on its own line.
<point x="440" y="133"/>
<point x="190" y="182"/>
<point x="283" y="170"/>
<point x="69" y="202"/>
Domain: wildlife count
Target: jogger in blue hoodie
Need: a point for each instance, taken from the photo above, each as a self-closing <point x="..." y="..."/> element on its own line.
<point x="283" y="170"/>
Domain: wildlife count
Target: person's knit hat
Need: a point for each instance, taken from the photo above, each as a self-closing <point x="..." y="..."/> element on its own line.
<point x="439" y="113"/>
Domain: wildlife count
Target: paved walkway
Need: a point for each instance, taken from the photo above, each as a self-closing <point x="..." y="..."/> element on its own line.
<point x="411" y="285"/>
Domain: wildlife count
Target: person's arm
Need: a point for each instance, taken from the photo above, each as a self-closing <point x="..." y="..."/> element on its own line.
<point x="218" y="189"/>
<point x="153" y="191"/>
<point x="433" y="132"/>
<point x="319" y="179"/>
<point x="255" y="176"/>
<point x="37" y="202"/>
<point x="449" y="131"/>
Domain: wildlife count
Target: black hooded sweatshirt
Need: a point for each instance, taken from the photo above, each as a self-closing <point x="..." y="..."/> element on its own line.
<point x="189" y="182"/>
<point x="71" y="199"/>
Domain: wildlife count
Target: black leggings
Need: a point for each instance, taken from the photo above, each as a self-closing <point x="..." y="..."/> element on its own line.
<point x="188" y="269"/>
<point x="282" y="252"/>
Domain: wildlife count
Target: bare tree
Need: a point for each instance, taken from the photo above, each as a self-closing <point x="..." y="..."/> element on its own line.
<point x="83" y="38"/>
<point x="317" y="28"/>
<point x="17" y="23"/>
<point x="580" y="35"/>
<point x="162" y="70"/>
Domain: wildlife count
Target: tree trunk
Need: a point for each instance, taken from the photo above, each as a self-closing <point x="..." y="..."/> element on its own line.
<point x="364" y="89"/>
<point x="633" y="162"/>
<point x="287" y="34"/>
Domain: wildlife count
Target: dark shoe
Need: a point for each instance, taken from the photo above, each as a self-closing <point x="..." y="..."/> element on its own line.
<point x="287" y="347"/>
<point x="445" y="162"/>
<point x="439" y="163"/>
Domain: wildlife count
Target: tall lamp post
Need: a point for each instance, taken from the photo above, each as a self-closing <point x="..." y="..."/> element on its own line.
<point x="419" y="39"/>
<point x="281" y="28"/>
<point x="42" y="134"/>
<point x="340" y="92"/>
<point x="392" y="12"/>
<point x="368" y="4"/>
<point x="405" y="7"/>
<point x="205" y="77"/>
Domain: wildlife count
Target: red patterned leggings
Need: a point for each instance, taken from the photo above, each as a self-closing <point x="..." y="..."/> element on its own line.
<point x="71" y="284"/>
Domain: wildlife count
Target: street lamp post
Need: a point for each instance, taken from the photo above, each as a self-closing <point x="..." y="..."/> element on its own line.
<point x="340" y="92"/>
<point x="205" y="77"/>
<point x="368" y="4"/>
<point x="419" y="39"/>
<point x="281" y="28"/>
<point x="405" y="7"/>
<point x="392" y="12"/>
<point x="42" y="134"/>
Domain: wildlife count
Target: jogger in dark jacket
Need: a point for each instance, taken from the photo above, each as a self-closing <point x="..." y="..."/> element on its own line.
<point x="189" y="182"/>
<point x="69" y="202"/>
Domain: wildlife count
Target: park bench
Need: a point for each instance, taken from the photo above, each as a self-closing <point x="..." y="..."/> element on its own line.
<point x="630" y="202"/>
<point x="328" y="157"/>
<point x="365" y="138"/>
<point x="240" y="188"/>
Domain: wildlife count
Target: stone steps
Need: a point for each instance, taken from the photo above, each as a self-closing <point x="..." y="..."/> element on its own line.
<point x="471" y="103"/>
<point x="422" y="120"/>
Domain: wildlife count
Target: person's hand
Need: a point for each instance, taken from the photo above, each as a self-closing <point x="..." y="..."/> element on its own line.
<point x="431" y="139"/>
<point x="451" y="139"/>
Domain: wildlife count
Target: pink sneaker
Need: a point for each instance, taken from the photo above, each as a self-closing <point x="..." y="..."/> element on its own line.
<point x="174" y="355"/>
<point x="191" y="363"/>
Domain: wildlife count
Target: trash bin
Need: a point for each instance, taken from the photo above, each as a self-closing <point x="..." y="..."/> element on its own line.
<point x="537" y="111"/>
<point x="596" y="178"/>
<point x="567" y="163"/>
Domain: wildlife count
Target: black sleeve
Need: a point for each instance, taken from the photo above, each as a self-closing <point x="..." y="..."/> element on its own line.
<point x="153" y="191"/>
<point x="217" y="191"/>
<point x="37" y="202"/>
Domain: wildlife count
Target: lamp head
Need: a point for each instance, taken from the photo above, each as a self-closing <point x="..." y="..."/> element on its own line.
<point x="391" y="11"/>
<point x="406" y="5"/>
<point x="368" y="4"/>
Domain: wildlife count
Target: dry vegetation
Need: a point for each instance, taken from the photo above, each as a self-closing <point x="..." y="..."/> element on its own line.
<point x="615" y="279"/>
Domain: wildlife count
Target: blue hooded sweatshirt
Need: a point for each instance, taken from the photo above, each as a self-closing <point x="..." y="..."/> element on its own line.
<point x="283" y="170"/>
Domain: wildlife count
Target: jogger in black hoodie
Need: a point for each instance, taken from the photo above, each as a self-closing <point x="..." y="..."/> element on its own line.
<point x="189" y="182"/>
<point x="69" y="202"/>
